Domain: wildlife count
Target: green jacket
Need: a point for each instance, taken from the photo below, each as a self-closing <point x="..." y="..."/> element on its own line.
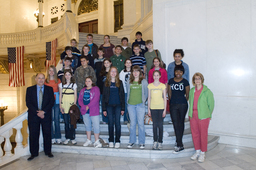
<point x="205" y="103"/>
<point x="118" y="62"/>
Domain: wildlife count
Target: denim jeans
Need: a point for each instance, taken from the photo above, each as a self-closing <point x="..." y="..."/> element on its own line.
<point x="92" y="120"/>
<point x="69" y="129"/>
<point x="104" y="118"/>
<point x="157" y="117"/>
<point x="55" y="130"/>
<point x="114" y="113"/>
<point x="137" y="113"/>
<point x="178" y="113"/>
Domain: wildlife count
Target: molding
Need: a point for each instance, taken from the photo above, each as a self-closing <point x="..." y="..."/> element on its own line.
<point x="87" y="17"/>
<point x="235" y="139"/>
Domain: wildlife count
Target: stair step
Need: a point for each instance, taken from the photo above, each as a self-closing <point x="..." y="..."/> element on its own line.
<point x="125" y="136"/>
<point x="135" y="152"/>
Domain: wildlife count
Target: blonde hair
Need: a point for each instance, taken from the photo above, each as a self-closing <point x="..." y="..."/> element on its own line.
<point x="199" y="75"/>
<point x="55" y="74"/>
<point x="108" y="79"/>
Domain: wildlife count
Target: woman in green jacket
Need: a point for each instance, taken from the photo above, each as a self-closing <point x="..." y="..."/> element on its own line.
<point x="201" y="103"/>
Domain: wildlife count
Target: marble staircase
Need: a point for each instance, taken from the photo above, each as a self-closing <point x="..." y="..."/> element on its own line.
<point x="97" y="39"/>
<point x="168" y="143"/>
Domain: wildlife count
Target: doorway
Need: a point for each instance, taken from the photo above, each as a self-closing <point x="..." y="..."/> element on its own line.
<point x="89" y="27"/>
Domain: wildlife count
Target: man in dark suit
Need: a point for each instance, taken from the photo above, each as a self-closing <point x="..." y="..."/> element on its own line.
<point x="39" y="100"/>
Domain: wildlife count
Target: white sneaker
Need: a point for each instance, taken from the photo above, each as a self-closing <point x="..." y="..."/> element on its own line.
<point x="58" y="141"/>
<point x="130" y="145"/>
<point x="87" y="142"/>
<point x="53" y="141"/>
<point x="154" y="145"/>
<point x="97" y="144"/>
<point x="66" y="141"/>
<point x="74" y="142"/>
<point x="117" y="145"/>
<point x="160" y="146"/>
<point x="142" y="146"/>
<point x="111" y="145"/>
<point x="195" y="156"/>
<point x="201" y="157"/>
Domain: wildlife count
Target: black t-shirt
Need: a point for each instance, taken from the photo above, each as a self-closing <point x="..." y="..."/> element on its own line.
<point x="114" y="95"/>
<point x="178" y="91"/>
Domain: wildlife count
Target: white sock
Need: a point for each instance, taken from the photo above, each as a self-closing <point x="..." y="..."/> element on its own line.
<point x="198" y="151"/>
<point x="202" y="153"/>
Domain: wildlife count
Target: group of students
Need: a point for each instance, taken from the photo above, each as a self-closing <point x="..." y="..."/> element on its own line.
<point x="123" y="80"/>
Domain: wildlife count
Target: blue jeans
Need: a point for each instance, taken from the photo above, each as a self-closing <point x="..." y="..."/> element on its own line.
<point x="69" y="129"/>
<point x="104" y="118"/>
<point x="92" y="120"/>
<point x="114" y="113"/>
<point x="55" y="130"/>
<point x="137" y="113"/>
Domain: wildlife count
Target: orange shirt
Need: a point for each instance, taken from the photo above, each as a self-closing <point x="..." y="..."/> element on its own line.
<point x="53" y="85"/>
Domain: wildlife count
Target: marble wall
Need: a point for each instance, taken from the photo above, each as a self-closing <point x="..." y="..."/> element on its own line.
<point x="219" y="39"/>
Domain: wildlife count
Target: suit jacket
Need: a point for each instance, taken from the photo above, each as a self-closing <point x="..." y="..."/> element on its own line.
<point x="32" y="104"/>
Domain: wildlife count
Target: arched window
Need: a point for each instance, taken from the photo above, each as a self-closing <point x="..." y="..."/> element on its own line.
<point x="87" y="6"/>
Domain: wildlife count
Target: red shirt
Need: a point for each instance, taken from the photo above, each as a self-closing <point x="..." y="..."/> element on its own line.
<point x="163" y="79"/>
<point x="53" y="85"/>
<point x="196" y="97"/>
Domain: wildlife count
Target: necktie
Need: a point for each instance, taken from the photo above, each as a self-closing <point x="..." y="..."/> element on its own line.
<point x="40" y="99"/>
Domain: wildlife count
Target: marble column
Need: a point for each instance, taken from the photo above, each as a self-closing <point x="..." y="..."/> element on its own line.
<point x="130" y="18"/>
<point x="40" y="15"/>
<point x="69" y="6"/>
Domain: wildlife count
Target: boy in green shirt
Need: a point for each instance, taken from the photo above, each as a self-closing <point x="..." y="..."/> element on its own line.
<point x="151" y="54"/>
<point x="126" y="51"/>
<point x="117" y="59"/>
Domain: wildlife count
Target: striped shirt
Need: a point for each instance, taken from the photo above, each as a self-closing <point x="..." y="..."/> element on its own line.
<point x="138" y="60"/>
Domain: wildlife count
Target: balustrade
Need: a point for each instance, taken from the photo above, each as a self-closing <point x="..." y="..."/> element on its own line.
<point x="66" y="27"/>
<point x="6" y="132"/>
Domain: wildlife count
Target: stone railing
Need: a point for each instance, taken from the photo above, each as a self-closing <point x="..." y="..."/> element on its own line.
<point x="34" y="41"/>
<point x="19" y="147"/>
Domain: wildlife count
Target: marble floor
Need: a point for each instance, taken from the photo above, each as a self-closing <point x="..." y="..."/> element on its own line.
<point x="222" y="157"/>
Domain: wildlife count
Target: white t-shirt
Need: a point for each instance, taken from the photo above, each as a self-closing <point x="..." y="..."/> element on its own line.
<point x="125" y="78"/>
<point x="66" y="85"/>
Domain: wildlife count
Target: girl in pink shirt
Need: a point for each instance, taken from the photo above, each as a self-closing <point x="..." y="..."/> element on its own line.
<point x="157" y="66"/>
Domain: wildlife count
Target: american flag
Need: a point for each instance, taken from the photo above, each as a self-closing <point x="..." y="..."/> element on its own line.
<point x="16" y="66"/>
<point x="51" y="48"/>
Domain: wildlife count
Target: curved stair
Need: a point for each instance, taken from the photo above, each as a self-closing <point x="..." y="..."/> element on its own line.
<point x="166" y="152"/>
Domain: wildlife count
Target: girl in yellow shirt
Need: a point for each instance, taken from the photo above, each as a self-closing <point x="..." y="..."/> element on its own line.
<point x="157" y="108"/>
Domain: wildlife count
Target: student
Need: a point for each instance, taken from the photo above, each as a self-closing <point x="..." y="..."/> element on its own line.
<point x="178" y="54"/>
<point x="73" y="44"/>
<point x="126" y="51"/>
<point x="98" y="63"/>
<point x="137" y="94"/>
<point x="109" y="48"/>
<point x="74" y="58"/>
<point x="157" y="108"/>
<point x="138" y="59"/>
<point x="140" y="42"/>
<point x="118" y="59"/>
<point x="67" y="66"/>
<point x="201" y="104"/>
<point x="85" y="52"/>
<point x="101" y="80"/>
<point x="113" y="105"/>
<point x="89" y="98"/>
<point x="157" y="65"/>
<point x="124" y="76"/>
<point x="68" y="97"/>
<point x="178" y="91"/>
<point x="53" y="81"/>
<point x="93" y="46"/>
<point x="151" y="54"/>
<point x="82" y="72"/>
